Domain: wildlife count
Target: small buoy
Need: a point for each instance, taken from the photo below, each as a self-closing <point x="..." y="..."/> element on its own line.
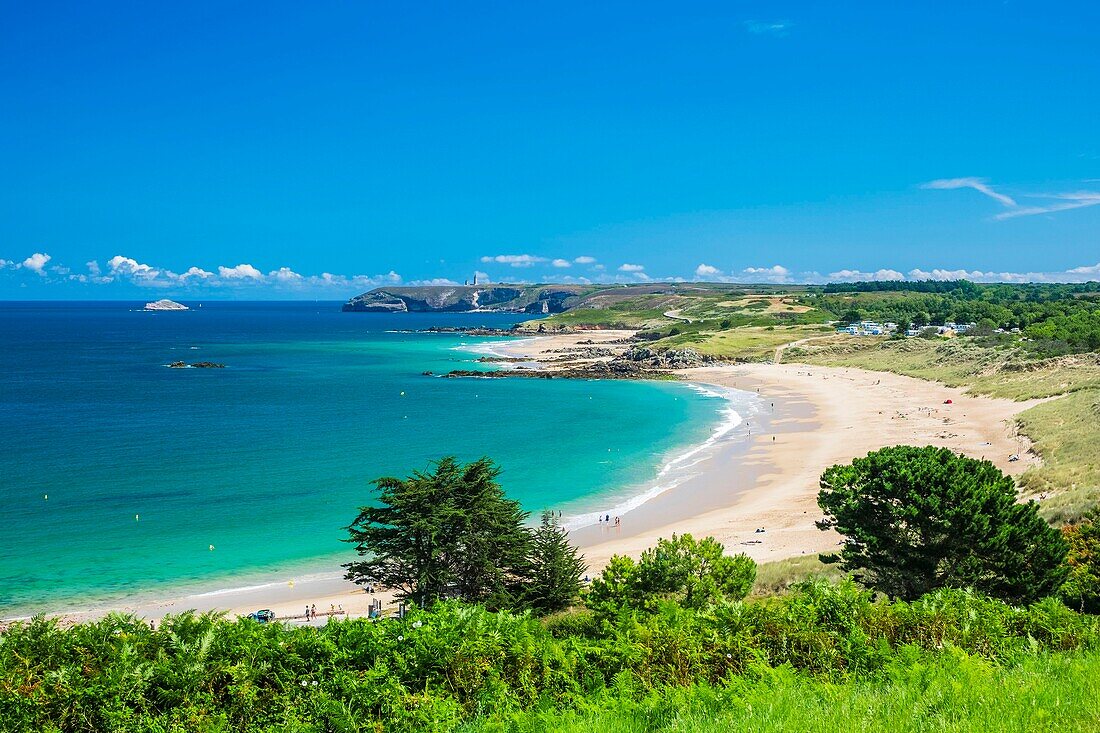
<point x="46" y="497"/>
<point x="137" y="517"/>
<point x="211" y="548"/>
<point x="402" y="394"/>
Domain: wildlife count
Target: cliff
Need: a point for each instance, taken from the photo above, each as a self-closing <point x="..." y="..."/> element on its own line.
<point x="535" y="299"/>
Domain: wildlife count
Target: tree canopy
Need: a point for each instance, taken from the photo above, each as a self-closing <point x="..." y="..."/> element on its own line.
<point x="918" y="519"/>
<point x="449" y="532"/>
<point x="693" y="573"/>
<point x="555" y="568"/>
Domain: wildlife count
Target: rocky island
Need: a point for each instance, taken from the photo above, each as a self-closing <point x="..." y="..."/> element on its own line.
<point x="165" y="305"/>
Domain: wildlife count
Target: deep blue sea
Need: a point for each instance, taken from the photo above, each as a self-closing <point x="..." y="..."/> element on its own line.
<point x="118" y="475"/>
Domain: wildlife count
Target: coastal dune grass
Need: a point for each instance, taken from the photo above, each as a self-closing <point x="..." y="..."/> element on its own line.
<point x="779" y="576"/>
<point x="1066" y="433"/>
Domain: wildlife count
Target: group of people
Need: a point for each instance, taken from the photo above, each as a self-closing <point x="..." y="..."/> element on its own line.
<point x="311" y="612"/>
<point x="606" y="519"/>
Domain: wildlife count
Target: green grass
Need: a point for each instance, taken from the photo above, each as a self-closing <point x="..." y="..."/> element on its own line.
<point x="954" y="693"/>
<point x="751" y="343"/>
<point x="1066" y="434"/>
<point x="777" y="576"/>
<point x="957" y="362"/>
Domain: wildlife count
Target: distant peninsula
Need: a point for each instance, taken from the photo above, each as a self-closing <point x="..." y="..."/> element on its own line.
<point x="165" y="305"/>
<point x="533" y="299"/>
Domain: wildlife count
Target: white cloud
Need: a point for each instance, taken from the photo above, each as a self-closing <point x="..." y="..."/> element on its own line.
<point x="859" y="275"/>
<point x="706" y="271"/>
<point x="777" y="28"/>
<point x="284" y="275"/>
<point x="1060" y="201"/>
<point x="196" y="273"/>
<point x="627" y="267"/>
<point x="1064" y="202"/>
<point x="584" y="260"/>
<point x="600" y="268"/>
<point x="434" y="281"/>
<point x="129" y="267"/>
<point x="240" y="272"/>
<point x="773" y="274"/>
<point x="561" y="263"/>
<point x="514" y="260"/>
<point x="978" y="184"/>
<point x="37" y="262"/>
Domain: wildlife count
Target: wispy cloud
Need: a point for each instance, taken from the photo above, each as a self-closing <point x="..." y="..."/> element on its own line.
<point x="777" y="28"/>
<point x="1059" y="201"/>
<point x="1062" y="202"/>
<point x="514" y="260"/>
<point x="978" y="184"/>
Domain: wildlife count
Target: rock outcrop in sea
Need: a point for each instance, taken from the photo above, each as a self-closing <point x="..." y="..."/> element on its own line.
<point x="165" y="305"/>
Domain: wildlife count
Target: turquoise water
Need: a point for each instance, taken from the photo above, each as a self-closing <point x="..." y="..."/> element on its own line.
<point x="118" y="474"/>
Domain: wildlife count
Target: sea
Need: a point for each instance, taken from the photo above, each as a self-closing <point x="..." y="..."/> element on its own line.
<point x="121" y="478"/>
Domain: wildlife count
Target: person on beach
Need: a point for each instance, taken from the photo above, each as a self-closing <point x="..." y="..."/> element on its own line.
<point x="617" y="522"/>
<point x="313" y="612"/>
<point x="307" y="614"/>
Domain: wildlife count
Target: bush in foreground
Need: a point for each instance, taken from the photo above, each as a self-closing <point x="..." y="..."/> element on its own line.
<point x="444" y="668"/>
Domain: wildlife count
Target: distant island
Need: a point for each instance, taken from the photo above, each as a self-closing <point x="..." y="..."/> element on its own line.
<point x="165" y="305"/>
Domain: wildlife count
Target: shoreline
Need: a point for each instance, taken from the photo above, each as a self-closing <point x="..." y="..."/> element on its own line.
<point x="760" y="473"/>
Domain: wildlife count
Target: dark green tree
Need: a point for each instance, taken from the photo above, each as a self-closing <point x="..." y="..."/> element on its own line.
<point x="554" y="576"/>
<point x="693" y="573"/>
<point x="918" y="519"/>
<point x="445" y="533"/>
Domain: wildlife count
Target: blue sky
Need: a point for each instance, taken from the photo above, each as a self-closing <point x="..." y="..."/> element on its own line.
<point x="255" y="150"/>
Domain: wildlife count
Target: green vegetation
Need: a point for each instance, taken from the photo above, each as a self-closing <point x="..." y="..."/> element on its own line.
<point x="692" y="573"/>
<point x="1082" y="587"/>
<point x="457" y="667"/>
<point x="779" y="576"/>
<point x="919" y="519"/>
<point x="1066" y="433"/>
<point x="555" y="568"/>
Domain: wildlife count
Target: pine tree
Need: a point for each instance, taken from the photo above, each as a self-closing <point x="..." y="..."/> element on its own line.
<point x="446" y="533"/>
<point x="555" y="568"/>
<point x="918" y="519"/>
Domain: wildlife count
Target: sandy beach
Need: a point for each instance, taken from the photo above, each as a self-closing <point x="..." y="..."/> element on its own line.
<point x="766" y="475"/>
<point x="761" y="475"/>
